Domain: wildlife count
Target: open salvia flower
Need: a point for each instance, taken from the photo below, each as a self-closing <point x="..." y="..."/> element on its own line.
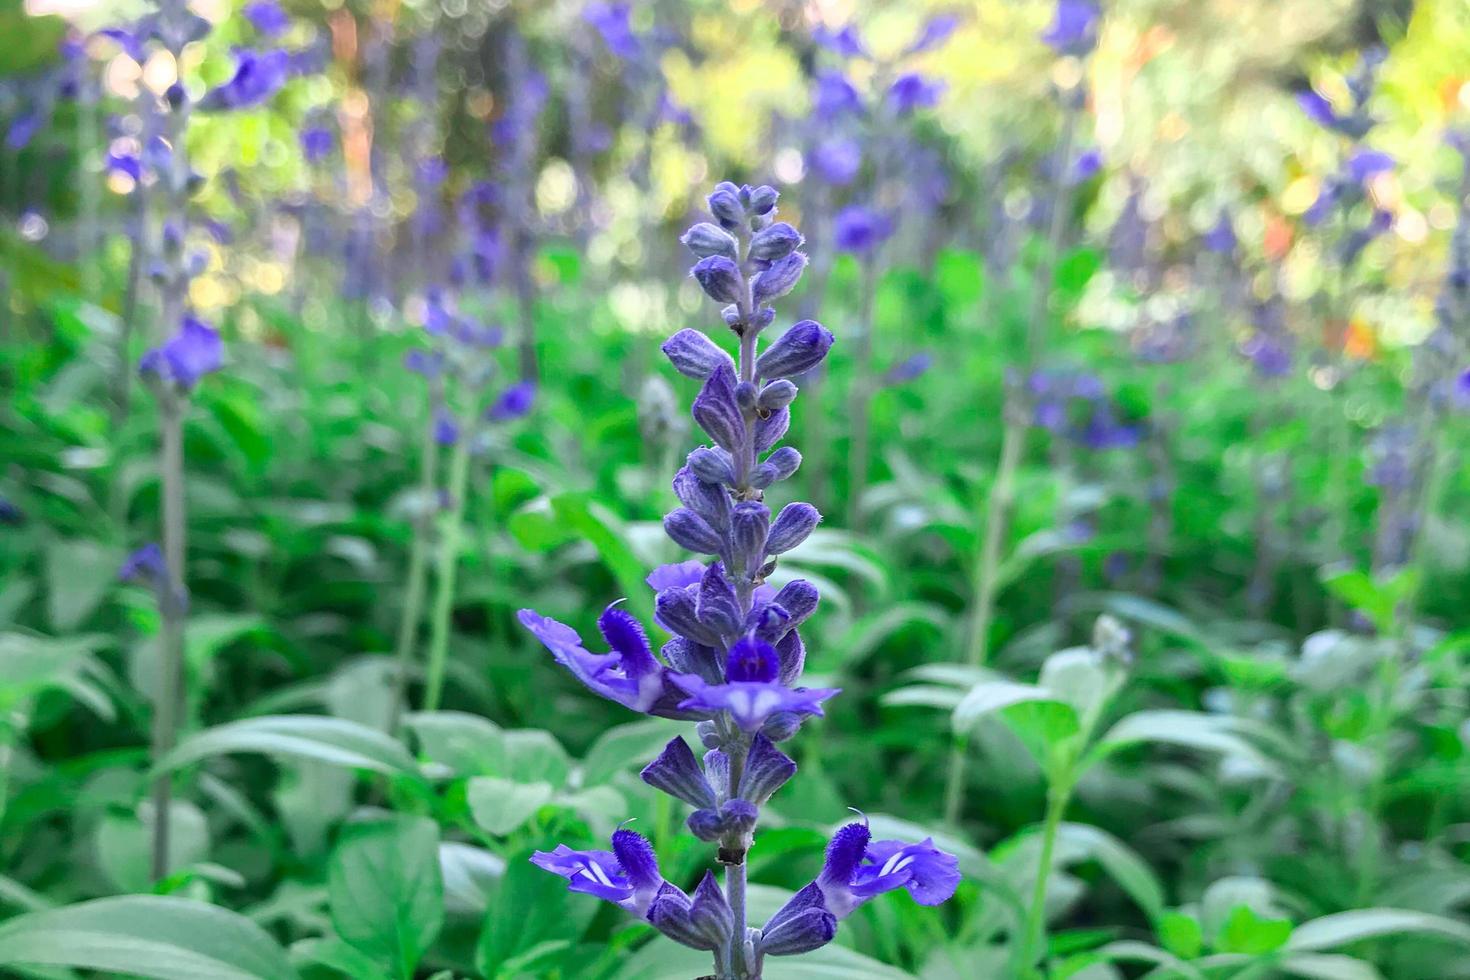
<point x="734" y="662"/>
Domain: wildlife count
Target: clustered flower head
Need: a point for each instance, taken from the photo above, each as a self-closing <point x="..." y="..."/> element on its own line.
<point x="734" y="661"/>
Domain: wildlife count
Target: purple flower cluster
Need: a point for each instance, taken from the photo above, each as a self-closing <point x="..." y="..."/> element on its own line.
<point x="1076" y="405"/>
<point x="735" y="659"/>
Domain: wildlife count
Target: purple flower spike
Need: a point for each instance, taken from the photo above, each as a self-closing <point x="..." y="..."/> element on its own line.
<point x="1317" y="108"/>
<point x="1221" y="237"/>
<point x="833" y="96"/>
<point x="187" y="356"/>
<point x="1364" y="164"/>
<point x="912" y="91"/>
<point x="1088" y="164"/>
<point x="837" y="160"/>
<point x="935" y="32"/>
<point x="751" y="692"/>
<point x="629" y="674"/>
<point x="844" y="41"/>
<point x="860" y="229"/>
<point x="612" y="23"/>
<point x="316" y="143"/>
<point x="1073" y="29"/>
<point x="513" y="403"/>
<point x="144" y="565"/>
<point x="267" y="17"/>
<point x="258" y="76"/>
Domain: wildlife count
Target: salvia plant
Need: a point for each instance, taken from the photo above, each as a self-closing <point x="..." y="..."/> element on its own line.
<point x="734" y="662"/>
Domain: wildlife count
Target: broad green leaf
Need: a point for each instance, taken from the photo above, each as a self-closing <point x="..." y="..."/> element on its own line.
<point x="1082" y="678"/>
<point x="78" y="575"/>
<point x="533" y="755"/>
<point x="1181" y="934"/>
<point x="1121" y="862"/>
<point x="385" y="890"/>
<point x="604" y="532"/>
<point x="1328" y="966"/>
<point x="1127" y="951"/>
<point x="533" y="908"/>
<point x="872" y="630"/>
<point x="124" y="843"/>
<point x="466" y="744"/>
<point x="1187" y="729"/>
<point x="630" y="746"/>
<point x="31" y="664"/>
<point x="1246" y="932"/>
<point x="156" y="936"/>
<point x="925" y="696"/>
<point x="501" y="806"/>
<point x="471" y="878"/>
<point x="992" y="696"/>
<point x="333" y="740"/>
<point x="1342" y="928"/>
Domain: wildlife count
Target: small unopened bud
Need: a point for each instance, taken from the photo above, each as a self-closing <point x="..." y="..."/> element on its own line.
<point x="719" y="277"/>
<point x="775" y="242"/>
<point x="706" y="239"/>
<point x="777" y="394"/>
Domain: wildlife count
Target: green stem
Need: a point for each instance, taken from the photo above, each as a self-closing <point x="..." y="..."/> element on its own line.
<point x="418" y="567"/>
<point x="861" y="399"/>
<point x="459" y="466"/>
<point x="171" y="642"/>
<point x="1057" y="798"/>
<point x="1002" y="492"/>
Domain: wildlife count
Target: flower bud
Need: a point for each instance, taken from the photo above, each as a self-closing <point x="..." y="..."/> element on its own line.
<point x="718" y="413"/>
<point x="801" y="348"/>
<point x="689" y="530"/>
<point x="769" y="430"/>
<point x="777" y="394"/>
<point x="750" y="524"/>
<point x="775" y="242"/>
<point x="791" y="527"/>
<point x="676" y="772"/>
<point x="694" y="355"/>
<point x="763" y="199"/>
<point x="716" y="605"/>
<point x="706" y="239"/>
<point x="781" y="726"/>
<point x="779" y="279"/>
<point x="784" y="461"/>
<point x="719" y="277"/>
<point x="676" y="610"/>
<point x="712" y="465"/>
<point x="746" y="396"/>
<point x="724" y="204"/>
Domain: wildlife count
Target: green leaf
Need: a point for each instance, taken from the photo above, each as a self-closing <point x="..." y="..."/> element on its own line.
<point x="1127" y="951"/>
<point x="605" y="533"/>
<point x="627" y="746"/>
<point x="1328" y="966"/>
<point x="385" y="891"/>
<point x="991" y="696"/>
<point x="466" y="744"/>
<point x="78" y="575"/>
<point x="533" y="755"/>
<point x="32" y="664"/>
<point x="124" y="843"/>
<point x="501" y="806"/>
<point x="1181" y="934"/>
<point x="1247" y="932"/>
<point x="533" y="908"/>
<point x="334" y="740"/>
<point x="1342" y="928"/>
<point x="1187" y="729"/>
<point x="1121" y="862"/>
<point x="155" y="936"/>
